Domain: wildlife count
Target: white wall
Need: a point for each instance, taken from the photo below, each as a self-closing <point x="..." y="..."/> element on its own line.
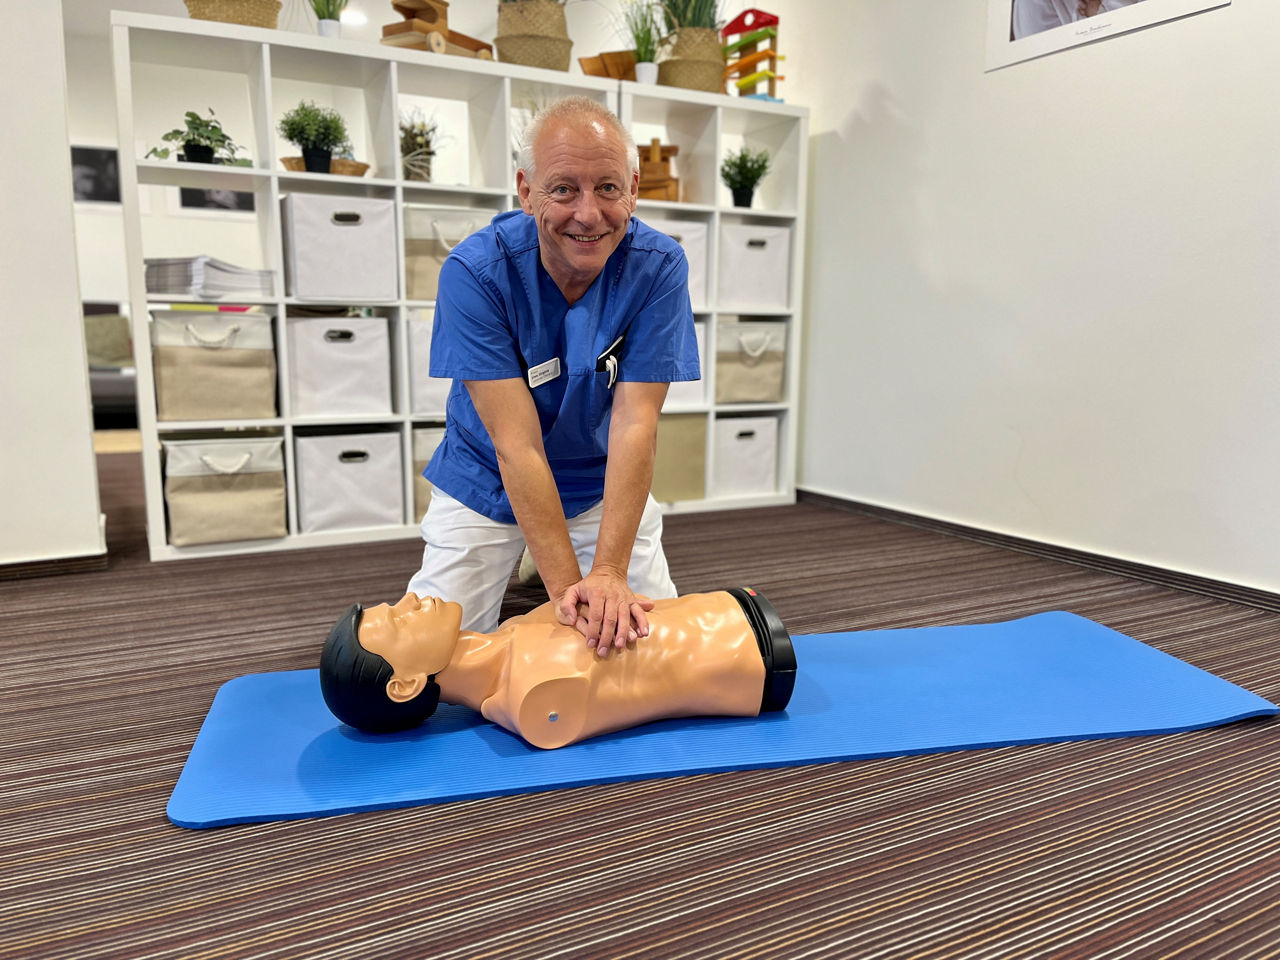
<point x="49" y="508"/>
<point x="1044" y="301"/>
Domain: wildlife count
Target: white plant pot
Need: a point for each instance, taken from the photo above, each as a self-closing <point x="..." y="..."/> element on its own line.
<point x="329" y="28"/>
<point x="647" y="72"/>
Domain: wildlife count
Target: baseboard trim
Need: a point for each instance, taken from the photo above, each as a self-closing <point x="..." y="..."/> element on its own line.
<point x="1205" y="586"/>
<point x="49" y="568"/>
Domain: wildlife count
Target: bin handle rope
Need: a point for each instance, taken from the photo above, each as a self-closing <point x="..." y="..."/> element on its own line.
<point x="755" y="353"/>
<point x="435" y="227"/>
<point x="221" y="341"/>
<point x="213" y="465"/>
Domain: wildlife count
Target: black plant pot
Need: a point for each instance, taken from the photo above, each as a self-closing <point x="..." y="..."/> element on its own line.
<point x="316" y="160"/>
<point x="742" y="196"/>
<point x="197" y="153"/>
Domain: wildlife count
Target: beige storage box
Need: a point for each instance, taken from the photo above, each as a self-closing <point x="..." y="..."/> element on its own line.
<point x="430" y="234"/>
<point x="746" y="456"/>
<point x="692" y="236"/>
<point x="427" y="394"/>
<point x="213" y="365"/>
<point x="349" y="480"/>
<point x="339" y="365"/>
<point x="222" y="490"/>
<point x="755" y="266"/>
<point x="339" y="249"/>
<point x="691" y="393"/>
<point x="680" y="466"/>
<point x="751" y="360"/>
<point x="425" y="441"/>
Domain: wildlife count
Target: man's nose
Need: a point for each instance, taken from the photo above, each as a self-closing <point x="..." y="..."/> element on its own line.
<point x="587" y="209"/>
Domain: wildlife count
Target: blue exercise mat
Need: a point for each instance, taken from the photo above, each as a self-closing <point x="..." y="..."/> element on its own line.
<point x="270" y="750"/>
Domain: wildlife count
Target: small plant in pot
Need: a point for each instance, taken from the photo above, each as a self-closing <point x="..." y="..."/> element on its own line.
<point x="741" y="171"/>
<point x="328" y="14"/>
<point x="418" y="136"/>
<point x="203" y="141"/>
<point x="640" y="27"/>
<point x="316" y="131"/>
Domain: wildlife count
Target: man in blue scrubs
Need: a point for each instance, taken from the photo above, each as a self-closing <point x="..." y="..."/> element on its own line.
<point x="562" y="325"/>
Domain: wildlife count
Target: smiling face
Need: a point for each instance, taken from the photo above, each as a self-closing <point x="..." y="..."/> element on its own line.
<point x="416" y="637"/>
<point x="581" y="193"/>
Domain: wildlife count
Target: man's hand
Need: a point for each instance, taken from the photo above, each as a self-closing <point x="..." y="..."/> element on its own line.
<point x="604" y="610"/>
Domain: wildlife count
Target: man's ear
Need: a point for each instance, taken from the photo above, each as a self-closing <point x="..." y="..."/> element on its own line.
<point x="404" y="689"/>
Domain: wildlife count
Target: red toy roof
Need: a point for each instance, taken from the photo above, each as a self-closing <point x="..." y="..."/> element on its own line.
<point x="748" y="20"/>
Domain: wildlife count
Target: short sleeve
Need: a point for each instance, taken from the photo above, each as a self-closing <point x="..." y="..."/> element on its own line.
<point x="661" y="345"/>
<point x="471" y="335"/>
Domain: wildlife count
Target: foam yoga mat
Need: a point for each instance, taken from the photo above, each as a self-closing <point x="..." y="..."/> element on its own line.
<point x="270" y="750"/>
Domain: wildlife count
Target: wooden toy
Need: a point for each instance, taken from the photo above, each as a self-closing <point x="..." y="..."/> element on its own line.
<point x="752" y="37"/>
<point x="426" y="27"/>
<point x="656" y="181"/>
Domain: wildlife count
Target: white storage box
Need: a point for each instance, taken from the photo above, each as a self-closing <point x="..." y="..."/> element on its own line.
<point x="691" y="393"/>
<point x="751" y="360"/>
<point x="746" y="456"/>
<point x="213" y="365"/>
<point x="692" y="236"/>
<point x="221" y="490"/>
<point x="349" y="480"/>
<point x="680" y="466"/>
<point x="339" y="248"/>
<point x="428" y="395"/>
<point x="425" y="441"/>
<point x="430" y="234"/>
<point x="755" y="266"/>
<point x="339" y="365"/>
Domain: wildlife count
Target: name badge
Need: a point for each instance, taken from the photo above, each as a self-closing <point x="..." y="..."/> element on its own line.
<point x="544" y="372"/>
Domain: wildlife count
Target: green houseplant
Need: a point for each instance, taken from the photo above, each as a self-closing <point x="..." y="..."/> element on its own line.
<point x="640" y="24"/>
<point x="417" y="145"/>
<point x="696" y="57"/>
<point x="316" y="131"/>
<point x="328" y="13"/>
<point x="203" y="141"/>
<point x="741" y="171"/>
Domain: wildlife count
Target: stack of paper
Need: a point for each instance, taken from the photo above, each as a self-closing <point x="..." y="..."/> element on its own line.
<point x="205" y="276"/>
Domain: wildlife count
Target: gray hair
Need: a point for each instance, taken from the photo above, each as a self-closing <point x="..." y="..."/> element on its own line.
<point x="574" y="108"/>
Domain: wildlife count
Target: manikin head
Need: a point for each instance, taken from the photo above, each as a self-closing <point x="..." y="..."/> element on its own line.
<point x="378" y="668"/>
<point x="579" y="177"/>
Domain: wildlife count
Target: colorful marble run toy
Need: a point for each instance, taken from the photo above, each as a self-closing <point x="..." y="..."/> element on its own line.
<point x="752" y="37"/>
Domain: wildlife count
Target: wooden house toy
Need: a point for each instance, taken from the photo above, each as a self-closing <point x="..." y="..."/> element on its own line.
<point x="751" y="54"/>
<point x="656" y="181"/>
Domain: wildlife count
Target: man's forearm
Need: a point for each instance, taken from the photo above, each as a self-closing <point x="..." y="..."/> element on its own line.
<point x="627" y="480"/>
<point x="531" y="488"/>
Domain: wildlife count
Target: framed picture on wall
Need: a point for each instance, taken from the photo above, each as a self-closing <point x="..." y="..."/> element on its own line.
<point x="1020" y="30"/>
<point x="95" y="174"/>
<point x="197" y="201"/>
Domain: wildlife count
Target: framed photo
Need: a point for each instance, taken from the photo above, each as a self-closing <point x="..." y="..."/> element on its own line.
<point x="201" y="202"/>
<point x="95" y="174"/>
<point x="1020" y="30"/>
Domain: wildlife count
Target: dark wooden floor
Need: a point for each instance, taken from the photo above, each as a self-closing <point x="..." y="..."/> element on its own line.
<point x="1147" y="847"/>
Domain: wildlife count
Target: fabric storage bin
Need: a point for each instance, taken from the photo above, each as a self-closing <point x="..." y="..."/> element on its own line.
<point x="692" y="236"/>
<point x="213" y="365"/>
<point x="755" y="265"/>
<point x="349" y="480"/>
<point x="746" y="456"/>
<point x="339" y="365"/>
<point x="751" y="360"/>
<point x="220" y="490"/>
<point x="691" y="393"/>
<point x="427" y="394"/>
<point x="680" y="465"/>
<point x="425" y="441"/>
<point x="430" y="234"/>
<point x="339" y="248"/>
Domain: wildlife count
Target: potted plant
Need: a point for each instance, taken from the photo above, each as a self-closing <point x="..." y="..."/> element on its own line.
<point x="741" y="171"/>
<point x="696" y="61"/>
<point x="417" y="145"/>
<point x="328" y="13"/>
<point x="640" y="21"/>
<point x="316" y="131"/>
<point x="203" y="141"/>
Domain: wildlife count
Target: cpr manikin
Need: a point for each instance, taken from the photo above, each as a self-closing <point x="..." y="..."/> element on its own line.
<point x="724" y="654"/>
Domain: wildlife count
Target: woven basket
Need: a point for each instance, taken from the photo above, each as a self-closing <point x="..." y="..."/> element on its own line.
<point x="696" y="61"/>
<point x="250" y="13"/>
<point x="533" y="33"/>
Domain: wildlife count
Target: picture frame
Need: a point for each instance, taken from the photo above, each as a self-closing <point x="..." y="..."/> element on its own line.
<point x="95" y="174"/>
<point x="1020" y="30"/>
<point x="202" y="202"/>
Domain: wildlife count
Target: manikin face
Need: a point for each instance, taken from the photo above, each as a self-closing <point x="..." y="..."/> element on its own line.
<point x="582" y="194"/>
<point x="415" y="636"/>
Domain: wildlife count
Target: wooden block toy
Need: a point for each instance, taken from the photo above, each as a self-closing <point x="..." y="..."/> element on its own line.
<point x="656" y="181"/>
<point x="752" y="37"/>
<point x="426" y="27"/>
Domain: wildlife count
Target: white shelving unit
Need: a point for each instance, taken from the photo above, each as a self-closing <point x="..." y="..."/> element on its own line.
<point x="481" y="104"/>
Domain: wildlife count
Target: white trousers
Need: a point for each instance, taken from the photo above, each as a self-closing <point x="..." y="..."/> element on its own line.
<point x="468" y="558"/>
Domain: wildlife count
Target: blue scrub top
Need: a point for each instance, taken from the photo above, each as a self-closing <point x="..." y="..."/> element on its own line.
<point x="499" y="313"/>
